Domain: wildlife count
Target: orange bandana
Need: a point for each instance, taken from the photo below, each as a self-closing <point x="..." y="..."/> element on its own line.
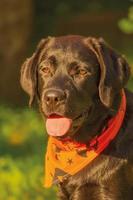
<point x="67" y="158"/>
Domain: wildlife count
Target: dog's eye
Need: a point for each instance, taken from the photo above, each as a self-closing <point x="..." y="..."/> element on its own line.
<point x="83" y="72"/>
<point x="46" y="70"/>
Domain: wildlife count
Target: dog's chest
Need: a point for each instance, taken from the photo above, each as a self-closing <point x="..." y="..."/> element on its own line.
<point x="100" y="171"/>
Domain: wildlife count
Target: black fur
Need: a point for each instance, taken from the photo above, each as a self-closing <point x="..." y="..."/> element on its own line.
<point x="85" y="77"/>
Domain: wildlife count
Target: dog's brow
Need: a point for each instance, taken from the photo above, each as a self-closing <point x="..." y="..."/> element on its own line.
<point x="52" y="59"/>
<point x="72" y="64"/>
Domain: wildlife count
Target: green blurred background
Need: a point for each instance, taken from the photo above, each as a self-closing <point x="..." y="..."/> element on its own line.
<point x="22" y="25"/>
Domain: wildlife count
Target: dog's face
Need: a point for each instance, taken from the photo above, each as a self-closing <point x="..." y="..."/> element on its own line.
<point x="67" y="72"/>
<point x="73" y="76"/>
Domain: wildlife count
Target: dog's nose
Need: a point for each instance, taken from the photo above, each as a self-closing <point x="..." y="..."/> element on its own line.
<point x="54" y="97"/>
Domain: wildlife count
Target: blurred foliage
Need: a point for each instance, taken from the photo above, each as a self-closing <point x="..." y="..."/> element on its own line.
<point x="22" y="149"/>
<point x="126" y="24"/>
<point x="48" y="12"/>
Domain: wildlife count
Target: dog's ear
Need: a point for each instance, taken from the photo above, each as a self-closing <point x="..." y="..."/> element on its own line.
<point x="28" y="71"/>
<point x="114" y="69"/>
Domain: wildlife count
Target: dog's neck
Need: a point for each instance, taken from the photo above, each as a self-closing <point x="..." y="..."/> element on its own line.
<point x="99" y="120"/>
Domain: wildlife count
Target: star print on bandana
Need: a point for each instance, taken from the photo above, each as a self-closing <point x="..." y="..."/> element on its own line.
<point x="69" y="161"/>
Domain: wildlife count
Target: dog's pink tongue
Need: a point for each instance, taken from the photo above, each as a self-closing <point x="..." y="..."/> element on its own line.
<point x="58" y="125"/>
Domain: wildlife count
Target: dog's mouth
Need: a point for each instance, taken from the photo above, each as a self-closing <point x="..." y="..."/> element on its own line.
<point x="58" y="125"/>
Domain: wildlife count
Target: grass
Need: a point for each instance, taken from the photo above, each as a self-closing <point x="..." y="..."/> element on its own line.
<point x="22" y="148"/>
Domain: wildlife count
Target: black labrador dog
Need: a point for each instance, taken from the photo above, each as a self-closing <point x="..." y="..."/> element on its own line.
<point x="82" y="79"/>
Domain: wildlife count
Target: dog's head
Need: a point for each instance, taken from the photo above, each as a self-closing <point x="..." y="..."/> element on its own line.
<point x="72" y="76"/>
